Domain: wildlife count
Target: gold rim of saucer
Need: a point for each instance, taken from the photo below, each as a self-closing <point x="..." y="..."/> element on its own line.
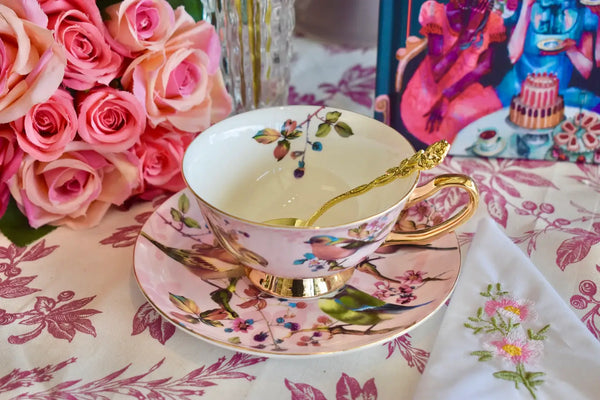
<point x="302" y="288"/>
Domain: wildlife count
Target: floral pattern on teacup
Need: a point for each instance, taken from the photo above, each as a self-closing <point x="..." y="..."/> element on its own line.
<point x="291" y="129"/>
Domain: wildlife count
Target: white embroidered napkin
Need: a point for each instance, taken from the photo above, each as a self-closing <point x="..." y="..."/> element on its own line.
<point x="507" y="334"/>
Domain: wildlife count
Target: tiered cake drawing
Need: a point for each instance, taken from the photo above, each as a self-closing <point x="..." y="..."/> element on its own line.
<point x="538" y="106"/>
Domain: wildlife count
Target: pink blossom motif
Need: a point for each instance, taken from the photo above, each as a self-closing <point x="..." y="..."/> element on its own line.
<point x="521" y="310"/>
<point x="412" y="277"/>
<point x="516" y="349"/>
<point x="241" y="325"/>
<point x="403" y="293"/>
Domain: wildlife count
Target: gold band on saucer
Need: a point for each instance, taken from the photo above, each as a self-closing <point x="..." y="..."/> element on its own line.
<point x="298" y="288"/>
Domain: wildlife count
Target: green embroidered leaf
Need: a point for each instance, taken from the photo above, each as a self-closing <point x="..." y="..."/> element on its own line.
<point x="531" y="375"/>
<point x="176" y="215"/>
<point x="467" y="325"/>
<point x="333" y="116"/>
<point x="282" y="148"/>
<point x="482" y="355"/>
<point x="183" y="203"/>
<point x="509" y="376"/>
<point x="473" y="319"/>
<point x="190" y="222"/>
<point x="267" y="135"/>
<point x="477" y="330"/>
<point x="480" y="312"/>
<point x="184" y="304"/>
<point x="539" y="335"/>
<point x="323" y="129"/>
<point x="343" y="129"/>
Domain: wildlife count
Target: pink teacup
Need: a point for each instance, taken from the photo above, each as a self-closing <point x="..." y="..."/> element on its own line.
<point x="287" y="162"/>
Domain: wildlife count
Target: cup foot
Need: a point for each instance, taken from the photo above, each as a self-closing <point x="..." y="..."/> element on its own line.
<point x="298" y="288"/>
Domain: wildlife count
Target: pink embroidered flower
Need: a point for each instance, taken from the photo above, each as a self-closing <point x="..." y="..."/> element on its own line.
<point x="47" y="127"/>
<point x="10" y="158"/>
<point x="160" y="151"/>
<point x="32" y="64"/>
<point x="181" y="86"/>
<point x="511" y="308"/>
<point x="516" y="349"/>
<point x="111" y="119"/>
<point x="78" y="28"/>
<point x="141" y="24"/>
<point x="412" y="277"/>
<point x="76" y="189"/>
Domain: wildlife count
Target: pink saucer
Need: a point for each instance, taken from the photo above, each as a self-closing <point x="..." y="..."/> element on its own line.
<point x="211" y="299"/>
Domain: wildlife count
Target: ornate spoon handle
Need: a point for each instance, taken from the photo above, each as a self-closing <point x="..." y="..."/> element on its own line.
<point x="421" y="160"/>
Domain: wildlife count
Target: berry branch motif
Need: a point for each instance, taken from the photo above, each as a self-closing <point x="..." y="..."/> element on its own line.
<point x="501" y="319"/>
<point x="291" y="130"/>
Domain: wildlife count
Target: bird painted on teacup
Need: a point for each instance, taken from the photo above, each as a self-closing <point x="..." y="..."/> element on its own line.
<point x="331" y="248"/>
<point x="355" y="307"/>
<point x="203" y="260"/>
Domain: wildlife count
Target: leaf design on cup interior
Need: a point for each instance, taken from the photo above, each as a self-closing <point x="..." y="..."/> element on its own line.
<point x="291" y="130"/>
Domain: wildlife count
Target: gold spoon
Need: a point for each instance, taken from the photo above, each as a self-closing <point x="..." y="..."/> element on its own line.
<point x="421" y="160"/>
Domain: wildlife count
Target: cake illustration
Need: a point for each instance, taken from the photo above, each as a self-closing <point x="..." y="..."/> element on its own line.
<point x="578" y="138"/>
<point x="538" y="106"/>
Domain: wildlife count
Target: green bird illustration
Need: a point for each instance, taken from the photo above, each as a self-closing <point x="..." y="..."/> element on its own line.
<point x="355" y="307"/>
<point x="204" y="260"/>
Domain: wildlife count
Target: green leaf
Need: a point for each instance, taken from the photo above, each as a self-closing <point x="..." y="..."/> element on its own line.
<point x="184" y="304"/>
<point x="193" y="7"/>
<point x="15" y="226"/>
<point x="323" y="130"/>
<point x="267" y="135"/>
<point x="473" y="319"/>
<point x="234" y="340"/>
<point x="343" y="129"/>
<point x="509" y="376"/>
<point x="183" y="203"/>
<point x="176" y="215"/>
<point x="480" y="312"/>
<point x="333" y="116"/>
<point x="190" y="222"/>
<point x="482" y="355"/>
<point x="293" y="135"/>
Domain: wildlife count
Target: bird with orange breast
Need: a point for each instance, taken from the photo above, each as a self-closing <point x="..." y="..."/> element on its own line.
<point x="331" y="248"/>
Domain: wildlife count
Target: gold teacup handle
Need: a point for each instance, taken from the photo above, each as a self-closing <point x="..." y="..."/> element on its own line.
<point x="427" y="190"/>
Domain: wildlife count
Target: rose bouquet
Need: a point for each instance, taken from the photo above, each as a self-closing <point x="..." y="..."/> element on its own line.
<point x="97" y="104"/>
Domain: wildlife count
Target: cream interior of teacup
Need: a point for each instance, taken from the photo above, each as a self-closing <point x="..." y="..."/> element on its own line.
<point x="234" y="173"/>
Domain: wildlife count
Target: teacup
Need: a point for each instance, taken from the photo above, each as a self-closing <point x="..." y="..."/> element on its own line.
<point x="487" y="139"/>
<point x="287" y="162"/>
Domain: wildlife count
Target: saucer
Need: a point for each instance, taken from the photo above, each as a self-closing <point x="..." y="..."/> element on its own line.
<point x="194" y="284"/>
<point x="551" y="44"/>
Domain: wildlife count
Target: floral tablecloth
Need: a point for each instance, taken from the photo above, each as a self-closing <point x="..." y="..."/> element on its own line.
<point x="74" y="324"/>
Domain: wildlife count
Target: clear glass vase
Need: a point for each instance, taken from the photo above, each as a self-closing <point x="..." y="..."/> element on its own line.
<point x="256" y="42"/>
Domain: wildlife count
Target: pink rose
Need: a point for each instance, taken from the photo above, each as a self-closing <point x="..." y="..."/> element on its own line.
<point x="32" y="64"/>
<point x="47" y="127"/>
<point x="182" y="86"/>
<point x="91" y="59"/>
<point x="161" y="152"/>
<point x="76" y="189"/>
<point x="141" y="24"/>
<point x="10" y="158"/>
<point x="111" y="120"/>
